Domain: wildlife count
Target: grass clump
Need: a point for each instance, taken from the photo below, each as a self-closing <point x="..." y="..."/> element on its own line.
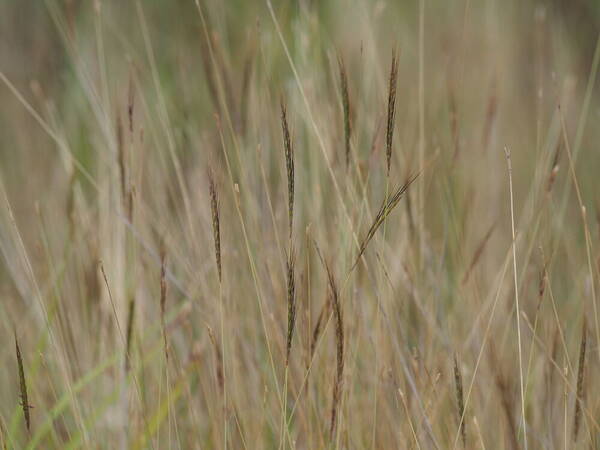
<point x="161" y="201"/>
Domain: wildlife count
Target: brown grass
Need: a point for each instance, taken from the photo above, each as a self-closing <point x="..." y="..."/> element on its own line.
<point x="129" y="332"/>
<point x="386" y="208"/>
<point x="218" y="360"/>
<point x="23" y="386"/>
<point x="291" y="302"/>
<point x="460" y="404"/>
<point x="289" y="164"/>
<point x="163" y="298"/>
<point x="580" y="383"/>
<point x="345" y="108"/>
<point x="216" y="224"/>
<point x="339" y="340"/>
<point x="391" y="111"/>
<point x="253" y="131"/>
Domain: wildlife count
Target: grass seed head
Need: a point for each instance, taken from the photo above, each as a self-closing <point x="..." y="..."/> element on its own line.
<point x="23" y="385"/>
<point x="291" y="301"/>
<point x="289" y="164"/>
<point x="216" y="224"/>
<point x="346" y="109"/>
<point x="391" y="111"/>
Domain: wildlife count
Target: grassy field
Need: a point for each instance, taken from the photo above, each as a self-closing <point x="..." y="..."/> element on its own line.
<point x="273" y="225"/>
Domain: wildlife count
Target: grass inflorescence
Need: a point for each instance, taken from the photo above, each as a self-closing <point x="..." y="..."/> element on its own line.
<point x="391" y="111"/>
<point x="23" y="386"/>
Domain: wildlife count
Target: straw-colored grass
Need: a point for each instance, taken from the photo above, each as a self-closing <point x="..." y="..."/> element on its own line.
<point x="290" y="225"/>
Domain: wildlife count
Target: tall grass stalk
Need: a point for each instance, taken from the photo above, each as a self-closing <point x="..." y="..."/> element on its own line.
<point x="516" y="287"/>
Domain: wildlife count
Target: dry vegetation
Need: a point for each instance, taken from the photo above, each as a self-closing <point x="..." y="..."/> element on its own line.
<point x="362" y="224"/>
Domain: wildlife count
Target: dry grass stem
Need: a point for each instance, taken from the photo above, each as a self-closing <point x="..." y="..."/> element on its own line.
<point x="580" y="383"/>
<point x="460" y="402"/>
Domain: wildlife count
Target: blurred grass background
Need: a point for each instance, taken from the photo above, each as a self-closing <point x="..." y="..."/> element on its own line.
<point x="205" y="79"/>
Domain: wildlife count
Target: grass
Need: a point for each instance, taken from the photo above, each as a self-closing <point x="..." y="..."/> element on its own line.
<point x="243" y="225"/>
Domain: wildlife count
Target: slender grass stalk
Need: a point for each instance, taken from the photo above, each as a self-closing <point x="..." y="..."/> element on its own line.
<point x="553" y="170"/>
<point x="541" y="289"/>
<point x="583" y="211"/>
<point x="130" y="103"/>
<point x="518" y="309"/>
<point x="163" y="298"/>
<point x="339" y="339"/>
<point x="453" y="113"/>
<point x="566" y="402"/>
<point x="490" y="117"/>
<point x="478" y="252"/>
<point x="218" y="360"/>
<point x="421" y="96"/>
<point x="291" y="321"/>
<point x="458" y="385"/>
<point x="317" y="329"/>
<point x="3" y="438"/>
<point x="216" y="228"/>
<point x="245" y="92"/>
<point x="410" y="421"/>
<point x="506" y="397"/>
<point x="122" y="158"/>
<point x="580" y="383"/>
